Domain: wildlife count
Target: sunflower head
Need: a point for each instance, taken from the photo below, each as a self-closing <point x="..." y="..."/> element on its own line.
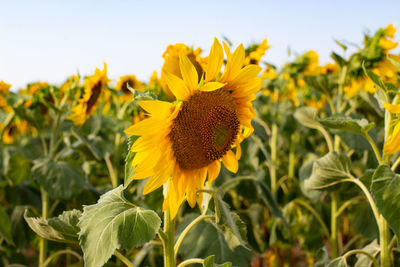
<point x="93" y="88"/>
<point x="211" y="117"/>
<point x="171" y="63"/>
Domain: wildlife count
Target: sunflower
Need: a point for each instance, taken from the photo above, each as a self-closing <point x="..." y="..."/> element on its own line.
<point x="254" y="57"/>
<point x="87" y="104"/>
<point x="198" y="131"/>
<point x="122" y="86"/>
<point x="4" y="90"/>
<point x="171" y="64"/>
<point x="392" y="145"/>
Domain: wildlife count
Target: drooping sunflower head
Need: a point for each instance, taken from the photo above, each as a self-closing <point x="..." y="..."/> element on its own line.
<point x="4" y="89"/>
<point x="171" y="63"/>
<point x="211" y="117"/>
<point x="93" y="88"/>
<point x="123" y="86"/>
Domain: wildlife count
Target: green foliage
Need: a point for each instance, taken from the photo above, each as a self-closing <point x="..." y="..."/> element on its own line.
<point x="59" y="178"/>
<point x="62" y="229"/>
<point x="114" y="223"/>
<point x="361" y="126"/>
<point x="5" y="227"/>
<point x="205" y="239"/>
<point x="209" y="262"/>
<point x="385" y="189"/>
<point x="329" y="171"/>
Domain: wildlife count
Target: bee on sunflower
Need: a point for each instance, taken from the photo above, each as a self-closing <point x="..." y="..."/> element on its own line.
<point x="93" y="88"/>
<point x="211" y="116"/>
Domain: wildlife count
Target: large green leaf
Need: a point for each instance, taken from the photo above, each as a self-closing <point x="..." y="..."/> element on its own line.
<point x="62" y="229"/>
<point x="205" y="239"/>
<point x="19" y="229"/>
<point x="363" y="260"/>
<point x="385" y="189"/>
<point x="307" y="116"/>
<point x="113" y="223"/>
<point x="229" y="222"/>
<point x="329" y="171"/>
<point x="5" y="227"/>
<point x="347" y="124"/>
<point x="19" y="168"/>
<point x="59" y="178"/>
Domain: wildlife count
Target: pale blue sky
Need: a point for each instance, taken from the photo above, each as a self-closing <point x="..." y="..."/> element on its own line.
<point x="50" y="40"/>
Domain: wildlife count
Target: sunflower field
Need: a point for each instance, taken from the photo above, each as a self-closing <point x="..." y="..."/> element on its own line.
<point x="219" y="159"/>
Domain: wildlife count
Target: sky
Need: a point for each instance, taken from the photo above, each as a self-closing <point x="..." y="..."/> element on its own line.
<point x="51" y="40"/>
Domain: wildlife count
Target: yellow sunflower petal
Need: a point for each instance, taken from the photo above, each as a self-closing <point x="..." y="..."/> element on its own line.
<point x="147" y="126"/>
<point x="215" y="61"/>
<point x="177" y="86"/>
<point x="392" y="108"/>
<point x="230" y="161"/>
<point x="227" y="51"/>
<point x="156" y="181"/>
<point x="246" y="74"/>
<point x="191" y="193"/>
<point x="157" y="108"/>
<point x="211" y="86"/>
<point x="189" y="73"/>
<point x="213" y="171"/>
<point x="392" y="145"/>
<point x="238" y="150"/>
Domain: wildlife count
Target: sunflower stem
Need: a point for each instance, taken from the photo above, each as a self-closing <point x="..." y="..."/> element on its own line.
<point x="169" y="231"/>
<point x="43" y="242"/>
<point x="334" y="229"/>
<point x="273" y="143"/>
<point x="187" y="229"/>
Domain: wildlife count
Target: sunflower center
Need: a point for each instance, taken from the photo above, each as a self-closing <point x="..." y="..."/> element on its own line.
<point x="205" y="129"/>
<point x="124" y="86"/>
<point x="96" y="90"/>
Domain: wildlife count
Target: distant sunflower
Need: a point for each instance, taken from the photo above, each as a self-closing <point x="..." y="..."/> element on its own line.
<point x="171" y="64"/>
<point x="87" y="104"/>
<point x="183" y="143"/>
<point x="122" y="86"/>
<point x="4" y="90"/>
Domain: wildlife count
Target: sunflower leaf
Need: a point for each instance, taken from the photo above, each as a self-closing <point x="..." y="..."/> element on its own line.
<point x="19" y="168"/>
<point x="5" y="227"/>
<point x="114" y="223"/>
<point x="209" y="262"/>
<point x="307" y="117"/>
<point x="328" y="171"/>
<point x="205" y="240"/>
<point x="229" y="222"/>
<point x="385" y="189"/>
<point x="60" y="179"/>
<point x="347" y="124"/>
<point x="62" y="229"/>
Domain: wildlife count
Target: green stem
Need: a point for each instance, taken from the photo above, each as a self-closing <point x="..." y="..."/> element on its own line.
<point x="53" y="137"/>
<point x="42" y="241"/>
<point x="169" y="231"/>
<point x="327" y="137"/>
<point x="334" y="228"/>
<point x="393" y="242"/>
<point x="292" y="155"/>
<point x="315" y="213"/>
<point x="383" y="242"/>
<point x="352" y="252"/>
<point x="187" y="229"/>
<point x="113" y="176"/>
<point x="123" y="259"/>
<point x="190" y="261"/>
<point x="396" y="164"/>
<point x="375" y="148"/>
<point x="60" y="252"/>
<point x="273" y="143"/>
